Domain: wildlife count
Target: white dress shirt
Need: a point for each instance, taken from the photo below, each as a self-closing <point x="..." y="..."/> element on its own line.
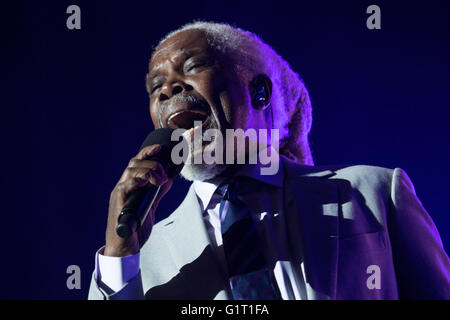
<point x="264" y="196"/>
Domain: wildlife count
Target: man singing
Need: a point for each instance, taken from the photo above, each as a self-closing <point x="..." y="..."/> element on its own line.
<point x="301" y="232"/>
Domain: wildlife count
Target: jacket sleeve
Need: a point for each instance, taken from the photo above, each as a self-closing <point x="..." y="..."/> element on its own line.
<point x="422" y="266"/>
<point x="131" y="291"/>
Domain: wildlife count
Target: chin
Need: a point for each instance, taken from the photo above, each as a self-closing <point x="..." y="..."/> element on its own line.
<point x="201" y="172"/>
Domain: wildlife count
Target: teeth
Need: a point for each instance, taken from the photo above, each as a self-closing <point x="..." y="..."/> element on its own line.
<point x="174" y="115"/>
<point x="186" y="118"/>
<point x="180" y="112"/>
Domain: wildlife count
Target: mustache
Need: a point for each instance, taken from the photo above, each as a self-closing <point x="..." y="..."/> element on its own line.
<point x="182" y="97"/>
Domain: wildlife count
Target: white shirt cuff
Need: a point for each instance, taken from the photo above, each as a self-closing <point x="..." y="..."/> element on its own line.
<point x="115" y="272"/>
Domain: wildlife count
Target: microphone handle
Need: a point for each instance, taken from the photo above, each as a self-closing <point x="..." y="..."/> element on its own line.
<point x="135" y="210"/>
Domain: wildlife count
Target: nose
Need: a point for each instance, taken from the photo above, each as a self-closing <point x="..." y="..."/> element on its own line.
<point x="173" y="88"/>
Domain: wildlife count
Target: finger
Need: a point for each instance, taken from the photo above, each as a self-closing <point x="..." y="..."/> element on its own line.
<point x="155" y="173"/>
<point x="141" y="173"/>
<point x="161" y="173"/>
<point x="157" y="176"/>
<point x="137" y="163"/>
<point x="148" y="151"/>
<point x="157" y="179"/>
<point x="129" y="185"/>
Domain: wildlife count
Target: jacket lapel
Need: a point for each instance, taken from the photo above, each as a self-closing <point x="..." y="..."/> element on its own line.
<point x="192" y="252"/>
<point x="312" y="209"/>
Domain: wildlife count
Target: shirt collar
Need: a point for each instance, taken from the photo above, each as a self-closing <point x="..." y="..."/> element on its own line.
<point x="205" y="189"/>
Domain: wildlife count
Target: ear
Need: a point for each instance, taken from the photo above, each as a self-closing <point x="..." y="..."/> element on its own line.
<point x="260" y="89"/>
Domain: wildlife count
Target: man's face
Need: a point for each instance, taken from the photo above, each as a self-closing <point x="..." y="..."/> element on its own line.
<point x="188" y="81"/>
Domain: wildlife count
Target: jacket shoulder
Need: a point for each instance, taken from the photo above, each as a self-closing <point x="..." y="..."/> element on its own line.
<point x="363" y="173"/>
<point x="355" y="173"/>
<point x="366" y="178"/>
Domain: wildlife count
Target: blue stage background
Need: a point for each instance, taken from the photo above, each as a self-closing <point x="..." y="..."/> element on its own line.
<point x="75" y="110"/>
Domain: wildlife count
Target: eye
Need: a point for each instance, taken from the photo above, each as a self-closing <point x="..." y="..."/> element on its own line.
<point x="155" y="87"/>
<point x="190" y="67"/>
<point x="193" y="64"/>
<point x="196" y="66"/>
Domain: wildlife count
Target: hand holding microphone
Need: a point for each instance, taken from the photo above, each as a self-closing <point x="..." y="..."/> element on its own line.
<point x="134" y="199"/>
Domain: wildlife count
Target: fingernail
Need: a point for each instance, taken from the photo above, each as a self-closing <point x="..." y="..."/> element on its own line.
<point x="157" y="147"/>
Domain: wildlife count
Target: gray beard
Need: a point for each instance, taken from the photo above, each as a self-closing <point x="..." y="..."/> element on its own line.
<point x="201" y="172"/>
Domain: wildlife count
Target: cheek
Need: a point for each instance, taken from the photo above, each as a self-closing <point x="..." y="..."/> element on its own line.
<point x="235" y="102"/>
<point x="225" y="104"/>
<point x="153" y="116"/>
<point x="215" y="89"/>
<point x="244" y="116"/>
<point x="239" y="107"/>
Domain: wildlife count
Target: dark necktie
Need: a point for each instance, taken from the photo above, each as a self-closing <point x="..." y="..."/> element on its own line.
<point x="249" y="276"/>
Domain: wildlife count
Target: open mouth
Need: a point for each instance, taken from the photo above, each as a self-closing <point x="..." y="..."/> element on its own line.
<point x="187" y="119"/>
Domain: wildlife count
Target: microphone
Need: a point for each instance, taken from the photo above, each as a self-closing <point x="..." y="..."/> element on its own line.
<point x="138" y="204"/>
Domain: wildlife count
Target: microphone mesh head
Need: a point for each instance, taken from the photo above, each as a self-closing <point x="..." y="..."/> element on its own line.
<point x="163" y="136"/>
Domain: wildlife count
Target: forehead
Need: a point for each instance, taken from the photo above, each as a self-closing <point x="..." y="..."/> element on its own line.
<point x="186" y="42"/>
